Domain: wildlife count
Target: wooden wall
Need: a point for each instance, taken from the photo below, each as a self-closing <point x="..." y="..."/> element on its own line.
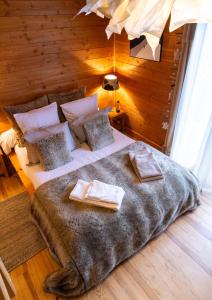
<point x="43" y="49"/>
<point x="147" y="87"/>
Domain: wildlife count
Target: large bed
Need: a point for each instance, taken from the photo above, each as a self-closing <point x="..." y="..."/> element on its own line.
<point x="82" y="156"/>
<point x="88" y="241"/>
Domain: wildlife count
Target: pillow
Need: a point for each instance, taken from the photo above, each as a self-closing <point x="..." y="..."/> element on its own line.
<point x="21" y="108"/>
<point x="77" y="125"/>
<point x="99" y="132"/>
<point x="31" y="137"/>
<point x="84" y="106"/>
<point x="62" y="98"/>
<point x="38" y="118"/>
<point x="8" y="140"/>
<point x="53" y="151"/>
<point x="32" y="154"/>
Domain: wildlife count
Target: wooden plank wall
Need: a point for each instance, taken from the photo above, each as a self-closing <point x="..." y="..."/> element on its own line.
<point x="43" y="49"/>
<point x="147" y="87"/>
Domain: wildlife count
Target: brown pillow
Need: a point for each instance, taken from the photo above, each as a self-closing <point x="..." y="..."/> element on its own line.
<point x="65" y="97"/>
<point x="22" y="108"/>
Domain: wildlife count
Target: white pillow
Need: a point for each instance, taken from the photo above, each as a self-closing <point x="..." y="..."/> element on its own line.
<point x="85" y="106"/>
<point x="37" y="118"/>
<point x="8" y="140"/>
<point x="190" y="11"/>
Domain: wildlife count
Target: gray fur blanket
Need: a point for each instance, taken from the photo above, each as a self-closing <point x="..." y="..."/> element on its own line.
<point x="90" y="242"/>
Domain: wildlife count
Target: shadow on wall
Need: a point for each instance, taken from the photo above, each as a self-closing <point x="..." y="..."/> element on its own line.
<point x="147" y="99"/>
<point x="126" y="95"/>
<point x="126" y="98"/>
<point x="145" y="114"/>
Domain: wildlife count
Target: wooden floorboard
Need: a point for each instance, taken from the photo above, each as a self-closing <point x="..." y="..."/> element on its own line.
<point x="10" y="186"/>
<point x="176" y="265"/>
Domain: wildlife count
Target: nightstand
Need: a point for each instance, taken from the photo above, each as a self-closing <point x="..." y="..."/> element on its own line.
<point x="3" y="168"/>
<point x="117" y="120"/>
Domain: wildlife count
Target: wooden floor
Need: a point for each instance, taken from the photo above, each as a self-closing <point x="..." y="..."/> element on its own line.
<point x="177" y="265"/>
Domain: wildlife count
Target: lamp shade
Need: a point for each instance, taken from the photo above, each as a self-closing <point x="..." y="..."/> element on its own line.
<point x="110" y="83"/>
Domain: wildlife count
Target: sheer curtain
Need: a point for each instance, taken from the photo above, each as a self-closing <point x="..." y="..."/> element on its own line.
<point x="192" y="143"/>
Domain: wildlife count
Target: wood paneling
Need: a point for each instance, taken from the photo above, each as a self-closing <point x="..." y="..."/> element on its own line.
<point x="45" y="48"/>
<point x="147" y="87"/>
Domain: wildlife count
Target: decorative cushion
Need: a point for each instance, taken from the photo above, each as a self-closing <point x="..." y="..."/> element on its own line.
<point x="73" y="110"/>
<point x="37" y="118"/>
<point x="53" y="151"/>
<point x="77" y="124"/>
<point x="99" y="132"/>
<point x="77" y="127"/>
<point x="31" y="137"/>
<point x="65" y="97"/>
<point x="32" y="154"/>
<point x="21" y="108"/>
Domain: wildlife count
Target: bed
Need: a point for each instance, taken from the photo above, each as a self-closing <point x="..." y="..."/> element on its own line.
<point x="88" y="241"/>
<point x="82" y="156"/>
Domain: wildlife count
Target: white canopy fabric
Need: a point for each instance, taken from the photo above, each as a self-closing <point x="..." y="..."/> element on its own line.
<point x="144" y="17"/>
<point x="190" y="11"/>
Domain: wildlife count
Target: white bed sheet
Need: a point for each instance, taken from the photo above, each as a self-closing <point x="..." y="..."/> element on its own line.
<point x="82" y="156"/>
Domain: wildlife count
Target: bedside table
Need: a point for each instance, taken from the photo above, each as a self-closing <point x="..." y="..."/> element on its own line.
<point x="117" y="120"/>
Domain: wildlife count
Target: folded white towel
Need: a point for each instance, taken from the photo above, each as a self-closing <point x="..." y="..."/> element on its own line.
<point x="82" y="188"/>
<point x="103" y="204"/>
<point x="101" y="191"/>
<point x="79" y="191"/>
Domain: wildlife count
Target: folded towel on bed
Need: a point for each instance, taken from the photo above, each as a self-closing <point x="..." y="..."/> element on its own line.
<point x="79" y="191"/>
<point x="143" y="152"/>
<point x="145" y="166"/>
<point x="105" y="192"/>
<point x="103" y="204"/>
<point x="98" y="193"/>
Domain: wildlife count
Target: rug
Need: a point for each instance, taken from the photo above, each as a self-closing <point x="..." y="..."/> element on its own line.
<point x="19" y="237"/>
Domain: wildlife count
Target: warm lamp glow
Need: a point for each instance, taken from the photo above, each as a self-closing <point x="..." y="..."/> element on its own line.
<point x="110" y="82"/>
<point x="111" y="77"/>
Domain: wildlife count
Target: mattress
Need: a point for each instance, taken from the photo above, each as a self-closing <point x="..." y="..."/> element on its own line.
<point x="82" y="157"/>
